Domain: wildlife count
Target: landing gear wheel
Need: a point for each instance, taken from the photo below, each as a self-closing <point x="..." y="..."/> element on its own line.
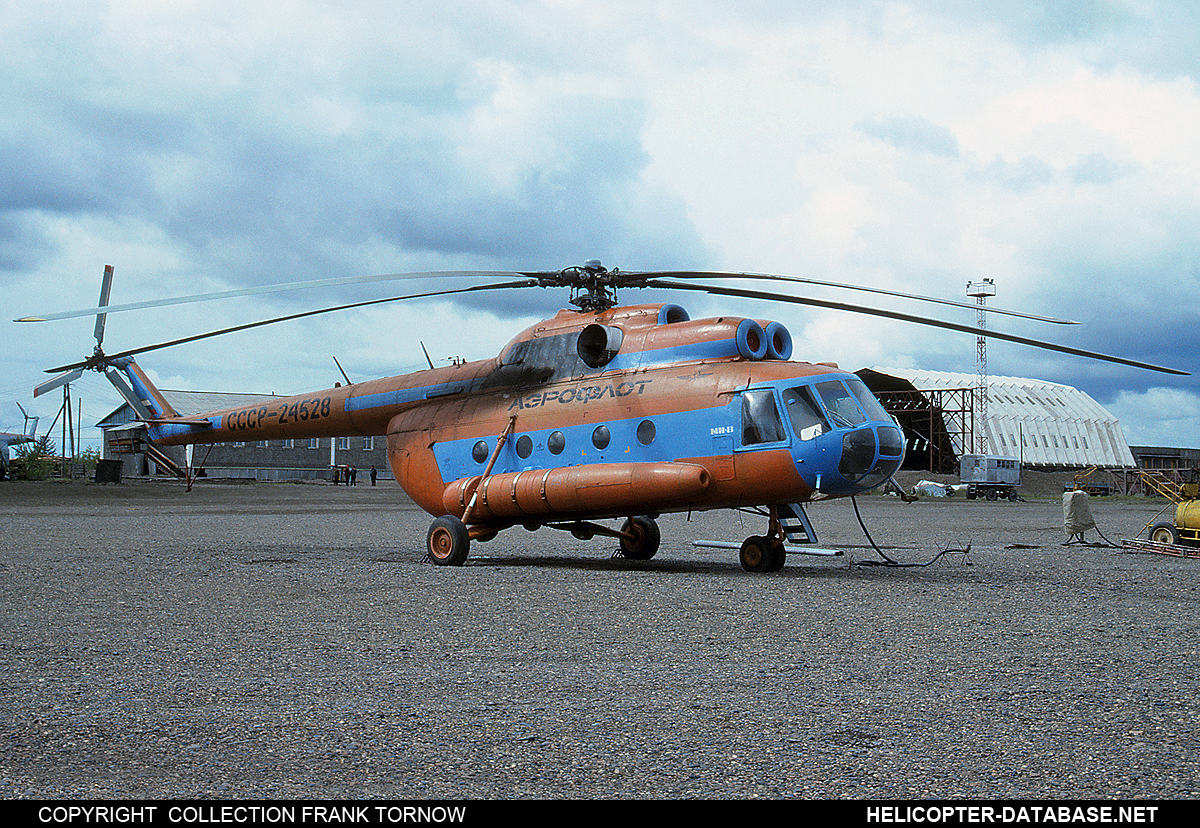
<point x="448" y="541"/>
<point x="758" y="555"/>
<point x="778" y="559"/>
<point x="1164" y="533"/>
<point x="644" y="541"/>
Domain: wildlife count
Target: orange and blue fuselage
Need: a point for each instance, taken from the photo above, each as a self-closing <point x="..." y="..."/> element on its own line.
<point x="634" y="410"/>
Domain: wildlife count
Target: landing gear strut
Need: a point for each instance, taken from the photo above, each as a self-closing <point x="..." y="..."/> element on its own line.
<point x="787" y="527"/>
<point x="639" y="537"/>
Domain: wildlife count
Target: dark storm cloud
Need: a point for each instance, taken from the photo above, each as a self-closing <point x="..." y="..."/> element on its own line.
<point x="255" y="168"/>
<point x="583" y="196"/>
<point x="18" y="240"/>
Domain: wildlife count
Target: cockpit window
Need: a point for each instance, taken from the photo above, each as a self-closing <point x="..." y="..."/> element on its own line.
<point x="804" y="412"/>
<point x="839" y="405"/>
<point x="875" y="411"/>
<point x="760" y="418"/>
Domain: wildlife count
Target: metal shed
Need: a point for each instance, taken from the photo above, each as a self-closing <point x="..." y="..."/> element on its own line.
<point x="1045" y="424"/>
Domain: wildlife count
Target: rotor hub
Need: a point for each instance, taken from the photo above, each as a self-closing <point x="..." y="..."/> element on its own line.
<point x="593" y="286"/>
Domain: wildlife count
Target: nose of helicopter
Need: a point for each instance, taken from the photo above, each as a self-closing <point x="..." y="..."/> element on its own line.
<point x="870" y="455"/>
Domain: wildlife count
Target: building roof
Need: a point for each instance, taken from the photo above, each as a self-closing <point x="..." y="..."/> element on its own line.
<point x="1042" y="423"/>
<point x="187" y="403"/>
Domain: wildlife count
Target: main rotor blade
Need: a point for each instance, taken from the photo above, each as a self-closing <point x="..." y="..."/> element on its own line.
<point x="108" y="358"/>
<point x="105" y="289"/>
<point x="276" y="288"/>
<point x="616" y="278"/>
<point x="905" y="317"/>
<point x="59" y="381"/>
<point x="715" y="274"/>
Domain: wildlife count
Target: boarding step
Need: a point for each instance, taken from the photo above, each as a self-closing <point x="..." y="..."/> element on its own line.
<point x="794" y="522"/>
<point x="798" y="533"/>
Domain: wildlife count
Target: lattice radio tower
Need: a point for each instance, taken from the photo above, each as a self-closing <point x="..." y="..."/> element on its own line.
<point x="981" y="291"/>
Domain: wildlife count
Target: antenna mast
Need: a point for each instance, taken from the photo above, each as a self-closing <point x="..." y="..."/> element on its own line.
<point x="981" y="291"/>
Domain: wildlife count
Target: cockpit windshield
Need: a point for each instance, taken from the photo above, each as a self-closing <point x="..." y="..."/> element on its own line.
<point x="843" y="411"/>
<point x="804" y="412"/>
<point x="812" y="410"/>
<point x="875" y="410"/>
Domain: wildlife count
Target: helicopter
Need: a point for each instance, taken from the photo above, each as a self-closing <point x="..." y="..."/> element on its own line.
<point x="8" y="439"/>
<point x="602" y="412"/>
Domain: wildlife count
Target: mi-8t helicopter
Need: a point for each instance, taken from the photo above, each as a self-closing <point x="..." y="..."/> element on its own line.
<point x="603" y="411"/>
<point x="8" y="439"/>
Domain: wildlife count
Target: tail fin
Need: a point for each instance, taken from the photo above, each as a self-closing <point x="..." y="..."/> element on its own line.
<point x="30" y="423"/>
<point x="140" y="392"/>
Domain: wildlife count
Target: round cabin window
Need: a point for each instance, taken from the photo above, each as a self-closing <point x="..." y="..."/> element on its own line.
<point x="600" y="437"/>
<point x="524" y="446"/>
<point x="480" y="453"/>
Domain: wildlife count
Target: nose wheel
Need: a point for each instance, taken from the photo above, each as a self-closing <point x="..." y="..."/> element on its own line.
<point x="759" y="554"/>
<point x="765" y="553"/>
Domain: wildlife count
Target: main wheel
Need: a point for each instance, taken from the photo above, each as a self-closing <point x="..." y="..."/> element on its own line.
<point x="644" y="539"/>
<point x="757" y="555"/>
<point x="1164" y="533"/>
<point x="448" y="541"/>
<point x="778" y="558"/>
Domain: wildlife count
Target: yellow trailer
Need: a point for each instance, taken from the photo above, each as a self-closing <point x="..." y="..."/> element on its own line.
<point x="1185" y="529"/>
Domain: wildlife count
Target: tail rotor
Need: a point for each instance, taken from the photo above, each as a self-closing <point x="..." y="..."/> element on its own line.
<point x="98" y="360"/>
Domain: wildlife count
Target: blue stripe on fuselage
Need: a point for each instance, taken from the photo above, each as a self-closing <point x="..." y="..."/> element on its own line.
<point x="677" y="435"/>
<point x="691" y="352"/>
<point x="161" y="431"/>
<point x="705" y="432"/>
<point x="402" y="396"/>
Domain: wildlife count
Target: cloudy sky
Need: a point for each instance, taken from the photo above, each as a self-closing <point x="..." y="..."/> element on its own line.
<point x="915" y="146"/>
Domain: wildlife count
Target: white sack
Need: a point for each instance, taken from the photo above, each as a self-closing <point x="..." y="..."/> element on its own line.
<point x="1077" y="513"/>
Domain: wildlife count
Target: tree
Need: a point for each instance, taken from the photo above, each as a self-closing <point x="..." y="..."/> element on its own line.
<point x="33" y="460"/>
<point x="90" y="457"/>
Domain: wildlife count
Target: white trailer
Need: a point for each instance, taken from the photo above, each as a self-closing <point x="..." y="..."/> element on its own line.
<point x="990" y="475"/>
